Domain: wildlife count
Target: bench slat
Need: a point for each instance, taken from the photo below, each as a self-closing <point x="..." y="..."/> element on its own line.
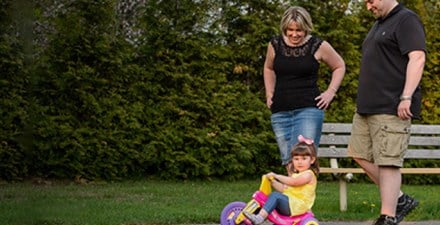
<point x="410" y="154"/>
<point x="424" y="141"/>
<point x="334" y="140"/>
<point x="346" y="128"/>
<point x="422" y="154"/>
<point x="329" y="139"/>
<point x="336" y="127"/>
<point x="402" y="170"/>
<point x="425" y="129"/>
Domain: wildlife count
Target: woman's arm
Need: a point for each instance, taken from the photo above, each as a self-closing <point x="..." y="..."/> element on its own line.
<point x="327" y="54"/>
<point x="269" y="74"/>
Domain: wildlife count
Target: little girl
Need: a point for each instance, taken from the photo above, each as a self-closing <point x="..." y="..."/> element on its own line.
<point x="294" y="194"/>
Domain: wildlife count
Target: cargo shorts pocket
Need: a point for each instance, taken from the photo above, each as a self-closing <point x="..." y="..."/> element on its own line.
<point x="394" y="139"/>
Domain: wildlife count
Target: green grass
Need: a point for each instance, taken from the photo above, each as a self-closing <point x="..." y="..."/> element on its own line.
<point x="160" y="202"/>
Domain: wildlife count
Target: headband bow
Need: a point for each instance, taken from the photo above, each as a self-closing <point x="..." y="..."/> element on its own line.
<point x="305" y="140"/>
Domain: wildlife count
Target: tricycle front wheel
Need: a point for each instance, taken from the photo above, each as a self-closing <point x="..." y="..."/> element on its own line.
<point x="230" y="213"/>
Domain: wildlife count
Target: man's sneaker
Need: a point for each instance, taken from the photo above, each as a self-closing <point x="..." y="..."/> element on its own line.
<point x="405" y="205"/>
<point x="385" y="220"/>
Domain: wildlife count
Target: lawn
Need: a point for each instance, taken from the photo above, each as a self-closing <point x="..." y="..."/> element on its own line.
<point x="168" y="202"/>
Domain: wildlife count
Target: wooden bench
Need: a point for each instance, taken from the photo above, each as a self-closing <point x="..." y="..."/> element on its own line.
<point x="424" y="144"/>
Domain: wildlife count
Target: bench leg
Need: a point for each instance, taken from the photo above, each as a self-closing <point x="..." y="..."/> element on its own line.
<point x="342" y="195"/>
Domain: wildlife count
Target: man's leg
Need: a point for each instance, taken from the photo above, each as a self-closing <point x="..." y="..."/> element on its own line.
<point x="405" y="203"/>
<point x="388" y="178"/>
<point x="371" y="169"/>
<point x="389" y="186"/>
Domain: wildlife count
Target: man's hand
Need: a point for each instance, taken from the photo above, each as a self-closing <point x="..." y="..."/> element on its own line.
<point x="403" y="111"/>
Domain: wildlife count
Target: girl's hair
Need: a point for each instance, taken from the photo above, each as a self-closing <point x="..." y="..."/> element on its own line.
<point x="303" y="149"/>
<point x="299" y="15"/>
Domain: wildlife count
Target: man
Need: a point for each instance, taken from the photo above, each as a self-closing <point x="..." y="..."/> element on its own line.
<point x="388" y="98"/>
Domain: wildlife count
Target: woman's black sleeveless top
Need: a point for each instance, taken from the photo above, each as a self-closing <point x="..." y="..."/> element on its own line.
<point x="296" y="71"/>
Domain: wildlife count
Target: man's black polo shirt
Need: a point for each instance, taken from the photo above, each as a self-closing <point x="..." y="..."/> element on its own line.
<point x="384" y="62"/>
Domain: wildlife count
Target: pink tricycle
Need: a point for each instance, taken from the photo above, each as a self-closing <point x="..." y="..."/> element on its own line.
<point x="232" y="213"/>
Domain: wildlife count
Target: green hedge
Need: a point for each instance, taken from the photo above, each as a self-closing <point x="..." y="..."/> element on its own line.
<point x="184" y="99"/>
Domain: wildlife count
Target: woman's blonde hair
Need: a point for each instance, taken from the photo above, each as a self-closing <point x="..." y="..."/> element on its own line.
<point x="304" y="149"/>
<point x="299" y="15"/>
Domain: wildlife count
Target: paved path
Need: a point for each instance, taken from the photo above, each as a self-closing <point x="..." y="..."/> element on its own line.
<point x="361" y="223"/>
<point x="371" y="222"/>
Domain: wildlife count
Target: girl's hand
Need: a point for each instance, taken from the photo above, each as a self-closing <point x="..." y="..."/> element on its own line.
<point x="271" y="175"/>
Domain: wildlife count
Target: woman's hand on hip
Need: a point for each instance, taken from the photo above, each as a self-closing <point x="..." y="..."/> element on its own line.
<point x="324" y="99"/>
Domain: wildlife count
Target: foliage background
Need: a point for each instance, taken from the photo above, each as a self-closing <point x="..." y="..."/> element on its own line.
<point x="122" y="89"/>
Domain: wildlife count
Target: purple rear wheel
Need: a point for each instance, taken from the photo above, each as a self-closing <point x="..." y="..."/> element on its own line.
<point x="230" y="212"/>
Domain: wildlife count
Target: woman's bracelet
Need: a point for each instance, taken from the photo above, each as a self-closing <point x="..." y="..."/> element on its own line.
<point x="334" y="89"/>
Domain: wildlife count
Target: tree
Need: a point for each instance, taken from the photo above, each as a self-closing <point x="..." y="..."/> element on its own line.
<point x="119" y="89"/>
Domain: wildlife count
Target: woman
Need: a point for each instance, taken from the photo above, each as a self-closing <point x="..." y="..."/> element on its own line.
<point x="290" y="78"/>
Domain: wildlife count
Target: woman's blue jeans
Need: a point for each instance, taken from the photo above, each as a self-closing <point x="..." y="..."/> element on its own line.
<point x="277" y="201"/>
<point x="288" y="125"/>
